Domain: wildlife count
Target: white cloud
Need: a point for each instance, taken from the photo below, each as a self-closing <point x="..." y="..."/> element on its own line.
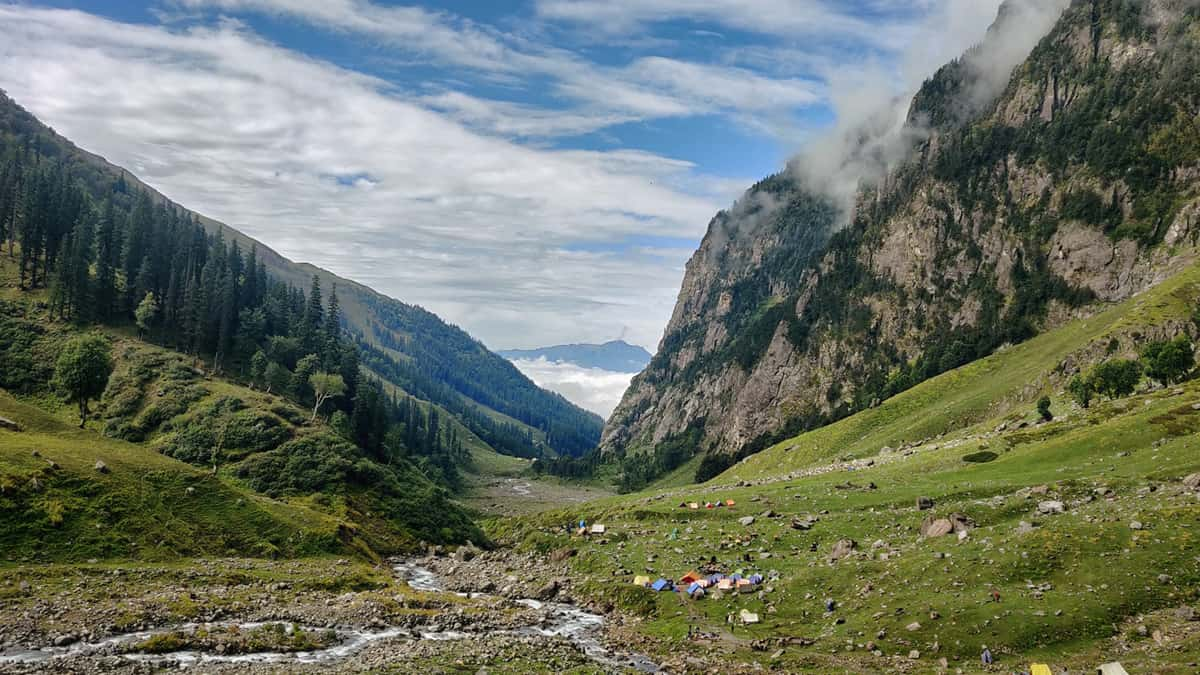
<point x="469" y="225"/>
<point x="592" y="388"/>
<point x="649" y="88"/>
<point x="791" y="19"/>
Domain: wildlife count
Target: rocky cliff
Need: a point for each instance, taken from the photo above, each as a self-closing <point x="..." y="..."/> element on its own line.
<point x="1070" y="181"/>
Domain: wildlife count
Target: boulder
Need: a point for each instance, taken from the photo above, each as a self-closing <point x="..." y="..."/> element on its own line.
<point x="549" y="591"/>
<point x="913" y="627"/>
<point x="748" y="617"/>
<point x="8" y="424"/>
<point x="924" y="503"/>
<point x="1192" y="481"/>
<point x="1051" y="506"/>
<point x="559" y="555"/>
<point x="100" y="466"/>
<point x="746" y="520"/>
<point x="1137" y="525"/>
<point x="936" y="527"/>
<point x="961" y="522"/>
<point x="842" y="548"/>
<point x="801" y="524"/>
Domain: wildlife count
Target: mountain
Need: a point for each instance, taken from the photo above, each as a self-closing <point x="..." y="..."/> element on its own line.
<point x="617" y="356"/>
<point x="404" y="344"/>
<point x="1070" y="185"/>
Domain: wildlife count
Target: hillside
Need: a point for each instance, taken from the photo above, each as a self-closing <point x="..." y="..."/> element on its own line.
<point x="617" y="356"/>
<point x="1073" y="187"/>
<point x="424" y="355"/>
<point x="261" y="478"/>
<point x="1078" y="538"/>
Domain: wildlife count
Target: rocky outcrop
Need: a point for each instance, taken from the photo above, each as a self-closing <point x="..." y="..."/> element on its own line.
<point x="1061" y="194"/>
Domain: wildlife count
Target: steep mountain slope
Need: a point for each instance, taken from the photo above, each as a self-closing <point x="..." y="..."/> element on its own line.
<point x="425" y="356"/>
<point x="1077" y="185"/>
<point x="617" y="355"/>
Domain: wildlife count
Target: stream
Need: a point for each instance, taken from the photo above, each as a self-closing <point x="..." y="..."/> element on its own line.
<point x="580" y="627"/>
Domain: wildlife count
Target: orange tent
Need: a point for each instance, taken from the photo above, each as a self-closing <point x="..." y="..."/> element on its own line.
<point x="691" y="577"/>
<point x="729" y="502"/>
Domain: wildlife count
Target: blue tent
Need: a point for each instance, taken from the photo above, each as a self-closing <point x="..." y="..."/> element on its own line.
<point x="735" y="577"/>
<point x="661" y="585"/>
<point x="715" y="578"/>
<point x="756" y="578"/>
<point x="695" y="590"/>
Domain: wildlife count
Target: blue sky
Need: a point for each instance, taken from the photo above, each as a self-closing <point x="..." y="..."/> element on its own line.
<point x="537" y="172"/>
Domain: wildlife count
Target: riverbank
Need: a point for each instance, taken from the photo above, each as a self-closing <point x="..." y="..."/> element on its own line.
<point x="249" y="616"/>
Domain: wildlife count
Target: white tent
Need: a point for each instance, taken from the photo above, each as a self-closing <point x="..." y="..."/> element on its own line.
<point x="1113" y="668"/>
<point x="597" y="529"/>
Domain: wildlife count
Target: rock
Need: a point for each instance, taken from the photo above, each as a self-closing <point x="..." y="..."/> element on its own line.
<point x="914" y="655"/>
<point x="1051" y="506"/>
<point x="1187" y="613"/>
<point x="100" y="466"/>
<point x="549" y="591"/>
<point x="1164" y="579"/>
<point x="801" y="524"/>
<point x="190" y="491"/>
<point x="1024" y="527"/>
<point x="913" y="627"/>
<point x="961" y="523"/>
<point x="936" y="527"/>
<point x="8" y="424"/>
<point x="1192" y="481"/>
<point x="748" y="617"/>
<point x="64" y="640"/>
<point x="746" y="520"/>
<point x="559" y="555"/>
<point x="1137" y="525"/>
<point x="924" y="503"/>
<point x="841" y="549"/>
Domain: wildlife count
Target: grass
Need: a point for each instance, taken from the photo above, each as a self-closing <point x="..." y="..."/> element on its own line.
<point x="55" y="506"/>
<point x="1072" y="585"/>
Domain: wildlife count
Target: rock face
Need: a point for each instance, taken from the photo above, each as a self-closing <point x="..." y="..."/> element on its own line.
<point x="1004" y="219"/>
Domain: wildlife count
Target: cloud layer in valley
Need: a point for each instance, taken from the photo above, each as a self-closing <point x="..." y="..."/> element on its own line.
<point x="591" y="388"/>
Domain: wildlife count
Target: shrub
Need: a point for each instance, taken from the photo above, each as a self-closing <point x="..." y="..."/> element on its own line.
<point x="1081" y="390"/>
<point x="980" y="457"/>
<point x="1117" y="378"/>
<point x="1043" y="407"/>
<point x="1169" y="362"/>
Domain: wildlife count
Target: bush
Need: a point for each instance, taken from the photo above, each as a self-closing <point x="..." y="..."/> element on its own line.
<point x="1169" y="362"/>
<point x="1116" y="379"/>
<point x="1081" y="391"/>
<point x="1043" y="408"/>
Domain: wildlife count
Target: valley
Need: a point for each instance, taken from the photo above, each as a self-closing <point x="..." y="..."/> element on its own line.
<point x="928" y="400"/>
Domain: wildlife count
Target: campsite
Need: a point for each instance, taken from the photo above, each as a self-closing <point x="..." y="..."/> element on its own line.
<point x="1076" y="536"/>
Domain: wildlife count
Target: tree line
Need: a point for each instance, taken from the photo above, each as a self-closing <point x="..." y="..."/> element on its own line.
<point x="118" y="257"/>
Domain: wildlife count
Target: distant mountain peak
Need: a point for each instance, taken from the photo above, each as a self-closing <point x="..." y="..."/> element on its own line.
<point x="615" y="355"/>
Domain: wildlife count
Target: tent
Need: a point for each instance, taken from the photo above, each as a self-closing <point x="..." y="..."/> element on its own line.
<point x="713" y="579"/>
<point x="708" y="505"/>
<point x="662" y="585"/>
<point x="730" y="502"/>
<point x="597" y="529"/>
<point x="690" y="577"/>
<point x="725" y="584"/>
<point x="641" y="580"/>
<point x="704" y="583"/>
<point x="683" y="505"/>
<point x="1040" y="669"/>
<point x="756" y="578"/>
<point x="1113" y="668"/>
<point x="748" y="616"/>
<point x="693" y="506"/>
<point x="695" y="588"/>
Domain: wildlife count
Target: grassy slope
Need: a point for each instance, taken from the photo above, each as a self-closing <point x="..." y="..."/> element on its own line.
<point x="140" y="509"/>
<point x="1100" y="571"/>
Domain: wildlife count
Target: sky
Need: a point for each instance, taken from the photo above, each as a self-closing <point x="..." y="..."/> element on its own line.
<point x="537" y="172"/>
